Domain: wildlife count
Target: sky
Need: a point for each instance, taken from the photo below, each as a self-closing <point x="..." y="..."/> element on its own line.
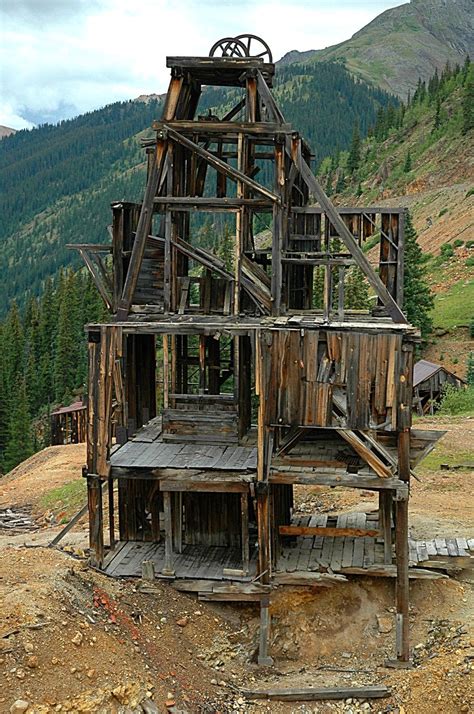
<point x="61" y="58"/>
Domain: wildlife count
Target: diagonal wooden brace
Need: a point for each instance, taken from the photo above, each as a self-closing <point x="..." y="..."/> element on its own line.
<point x="219" y="164"/>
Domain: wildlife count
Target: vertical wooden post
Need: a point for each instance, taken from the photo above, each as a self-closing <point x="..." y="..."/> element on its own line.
<point x="110" y="482"/>
<point x="96" y="525"/>
<point x="278" y="229"/>
<point x="178" y="521"/>
<point x="401" y="549"/>
<point x="385" y="523"/>
<point x="244" y="509"/>
<point x="168" y="566"/>
<point x="263" y="657"/>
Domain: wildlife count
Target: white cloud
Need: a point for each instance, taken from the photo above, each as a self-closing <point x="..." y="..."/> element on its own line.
<point x="64" y="57"/>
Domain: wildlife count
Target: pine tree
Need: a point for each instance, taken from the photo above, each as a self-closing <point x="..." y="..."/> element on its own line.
<point x="418" y="300"/>
<point x="318" y="288"/>
<point x="20" y="444"/>
<point x="341" y="183"/>
<point x="437" y="119"/>
<point x="65" y="360"/>
<point x="407" y="165"/>
<point x="354" y="154"/>
<point x="357" y="291"/>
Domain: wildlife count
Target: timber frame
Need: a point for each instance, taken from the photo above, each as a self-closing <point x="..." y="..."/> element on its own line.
<point x="258" y="388"/>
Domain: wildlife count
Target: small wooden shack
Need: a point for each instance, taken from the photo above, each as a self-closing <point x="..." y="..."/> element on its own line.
<point x="69" y="424"/>
<point x="429" y="382"/>
<point x="260" y="387"/>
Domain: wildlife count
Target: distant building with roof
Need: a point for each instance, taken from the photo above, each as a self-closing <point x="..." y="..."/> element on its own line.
<point x="429" y="383"/>
<point x="68" y="424"/>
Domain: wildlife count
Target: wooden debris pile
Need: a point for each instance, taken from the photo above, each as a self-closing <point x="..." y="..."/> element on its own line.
<point x="16" y="520"/>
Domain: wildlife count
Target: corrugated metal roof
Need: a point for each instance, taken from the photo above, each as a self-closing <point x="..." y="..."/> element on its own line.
<point x="424" y="370"/>
<point x="74" y="407"/>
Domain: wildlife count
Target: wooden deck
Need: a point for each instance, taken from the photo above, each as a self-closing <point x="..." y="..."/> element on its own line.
<point x="148" y="450"/>
<point x="302" y="558"/>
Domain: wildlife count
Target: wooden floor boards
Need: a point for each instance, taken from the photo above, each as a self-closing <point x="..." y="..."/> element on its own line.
<point x="309" y="554"/>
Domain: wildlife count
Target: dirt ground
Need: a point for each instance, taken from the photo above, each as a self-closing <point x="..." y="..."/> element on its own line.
<point x="73" y="640"/>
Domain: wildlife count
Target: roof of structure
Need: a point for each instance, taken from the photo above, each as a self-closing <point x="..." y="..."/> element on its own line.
<point x="424" y="370"/>
<point x="74" y="407"/>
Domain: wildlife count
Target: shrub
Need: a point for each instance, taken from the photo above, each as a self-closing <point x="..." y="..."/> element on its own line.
<point x="458" y="243"/>
<point x="470" y="262"/>
<point x="447" y="250"/>
<point x="470" y="244"/>
<point x="470" y="192"/>
<point x="457" y="401"/>
<point x="442" y="212"/>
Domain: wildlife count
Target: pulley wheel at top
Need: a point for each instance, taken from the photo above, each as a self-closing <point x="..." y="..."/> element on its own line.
<point x="229" y="47"/>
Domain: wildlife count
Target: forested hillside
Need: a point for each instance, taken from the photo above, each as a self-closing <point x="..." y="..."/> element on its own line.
<point x="43" y="361"/>
<point x="59" y="180"/>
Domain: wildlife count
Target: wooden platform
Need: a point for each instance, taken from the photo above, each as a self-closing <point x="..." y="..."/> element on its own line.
<point x="148" y="450"/>
<point x="302" y="558"/>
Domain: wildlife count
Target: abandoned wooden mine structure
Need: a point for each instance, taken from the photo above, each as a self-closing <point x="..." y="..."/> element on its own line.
<point x="69" y="424"/>
<point x="225" y="385"/>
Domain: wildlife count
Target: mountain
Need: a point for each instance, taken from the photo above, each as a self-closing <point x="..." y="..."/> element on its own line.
<point x="58" y="181"/>
<point x="404" y="43"/>
<point x="6" y="131"/>
<point x="422" y="156"/>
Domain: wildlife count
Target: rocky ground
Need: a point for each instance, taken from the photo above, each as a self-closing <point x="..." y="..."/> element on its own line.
<point x="73" y="640"/>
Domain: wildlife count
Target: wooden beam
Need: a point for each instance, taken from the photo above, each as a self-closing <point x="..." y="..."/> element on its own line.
<point x="313" y="694"/>
<point x="168" y="565"/>
<point x="330" y="532"/>
<point x="217" y="163"/>
<point x="268" y="100"/>
<point x="263" y="657"/>
<point x="96" y="525"/>
<point x="365" y="453"/>
<point x="96" y="278"/>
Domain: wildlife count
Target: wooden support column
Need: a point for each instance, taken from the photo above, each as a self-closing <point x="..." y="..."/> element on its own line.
<point x="278" y="230"/>
<point x="385" y="523"/>
<point x="110" y="482"/>
<point x="178" y="521"/>
<point x="244" y="509"/>
<point x="402" y="555"/>
<point x="96" y="521"/>
<point x="263" y="658"/>
<point x="168" y="566"/>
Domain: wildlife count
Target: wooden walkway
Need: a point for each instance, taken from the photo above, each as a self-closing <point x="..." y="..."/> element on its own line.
<point x="302" y="557"/>
<point x="147" y="450"/>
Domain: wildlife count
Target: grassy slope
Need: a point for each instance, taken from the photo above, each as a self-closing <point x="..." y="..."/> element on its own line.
<point x="438" y="192"/>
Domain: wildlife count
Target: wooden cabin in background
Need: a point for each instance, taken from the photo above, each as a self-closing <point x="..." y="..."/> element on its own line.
<point x="227" y="385"/>
<point x="69" y="424"/>
<point x="429" y="383"/>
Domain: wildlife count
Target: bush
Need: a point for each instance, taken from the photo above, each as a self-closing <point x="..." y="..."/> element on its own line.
<point x="458" y="243"/>
<point x="470" y="244"/>
<point x="447" y="250"/>
<point x="470" y="262"/>
<point x="470" y="192"/>
<point x="457" y="401"/>
<point x="442" y="212"/>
